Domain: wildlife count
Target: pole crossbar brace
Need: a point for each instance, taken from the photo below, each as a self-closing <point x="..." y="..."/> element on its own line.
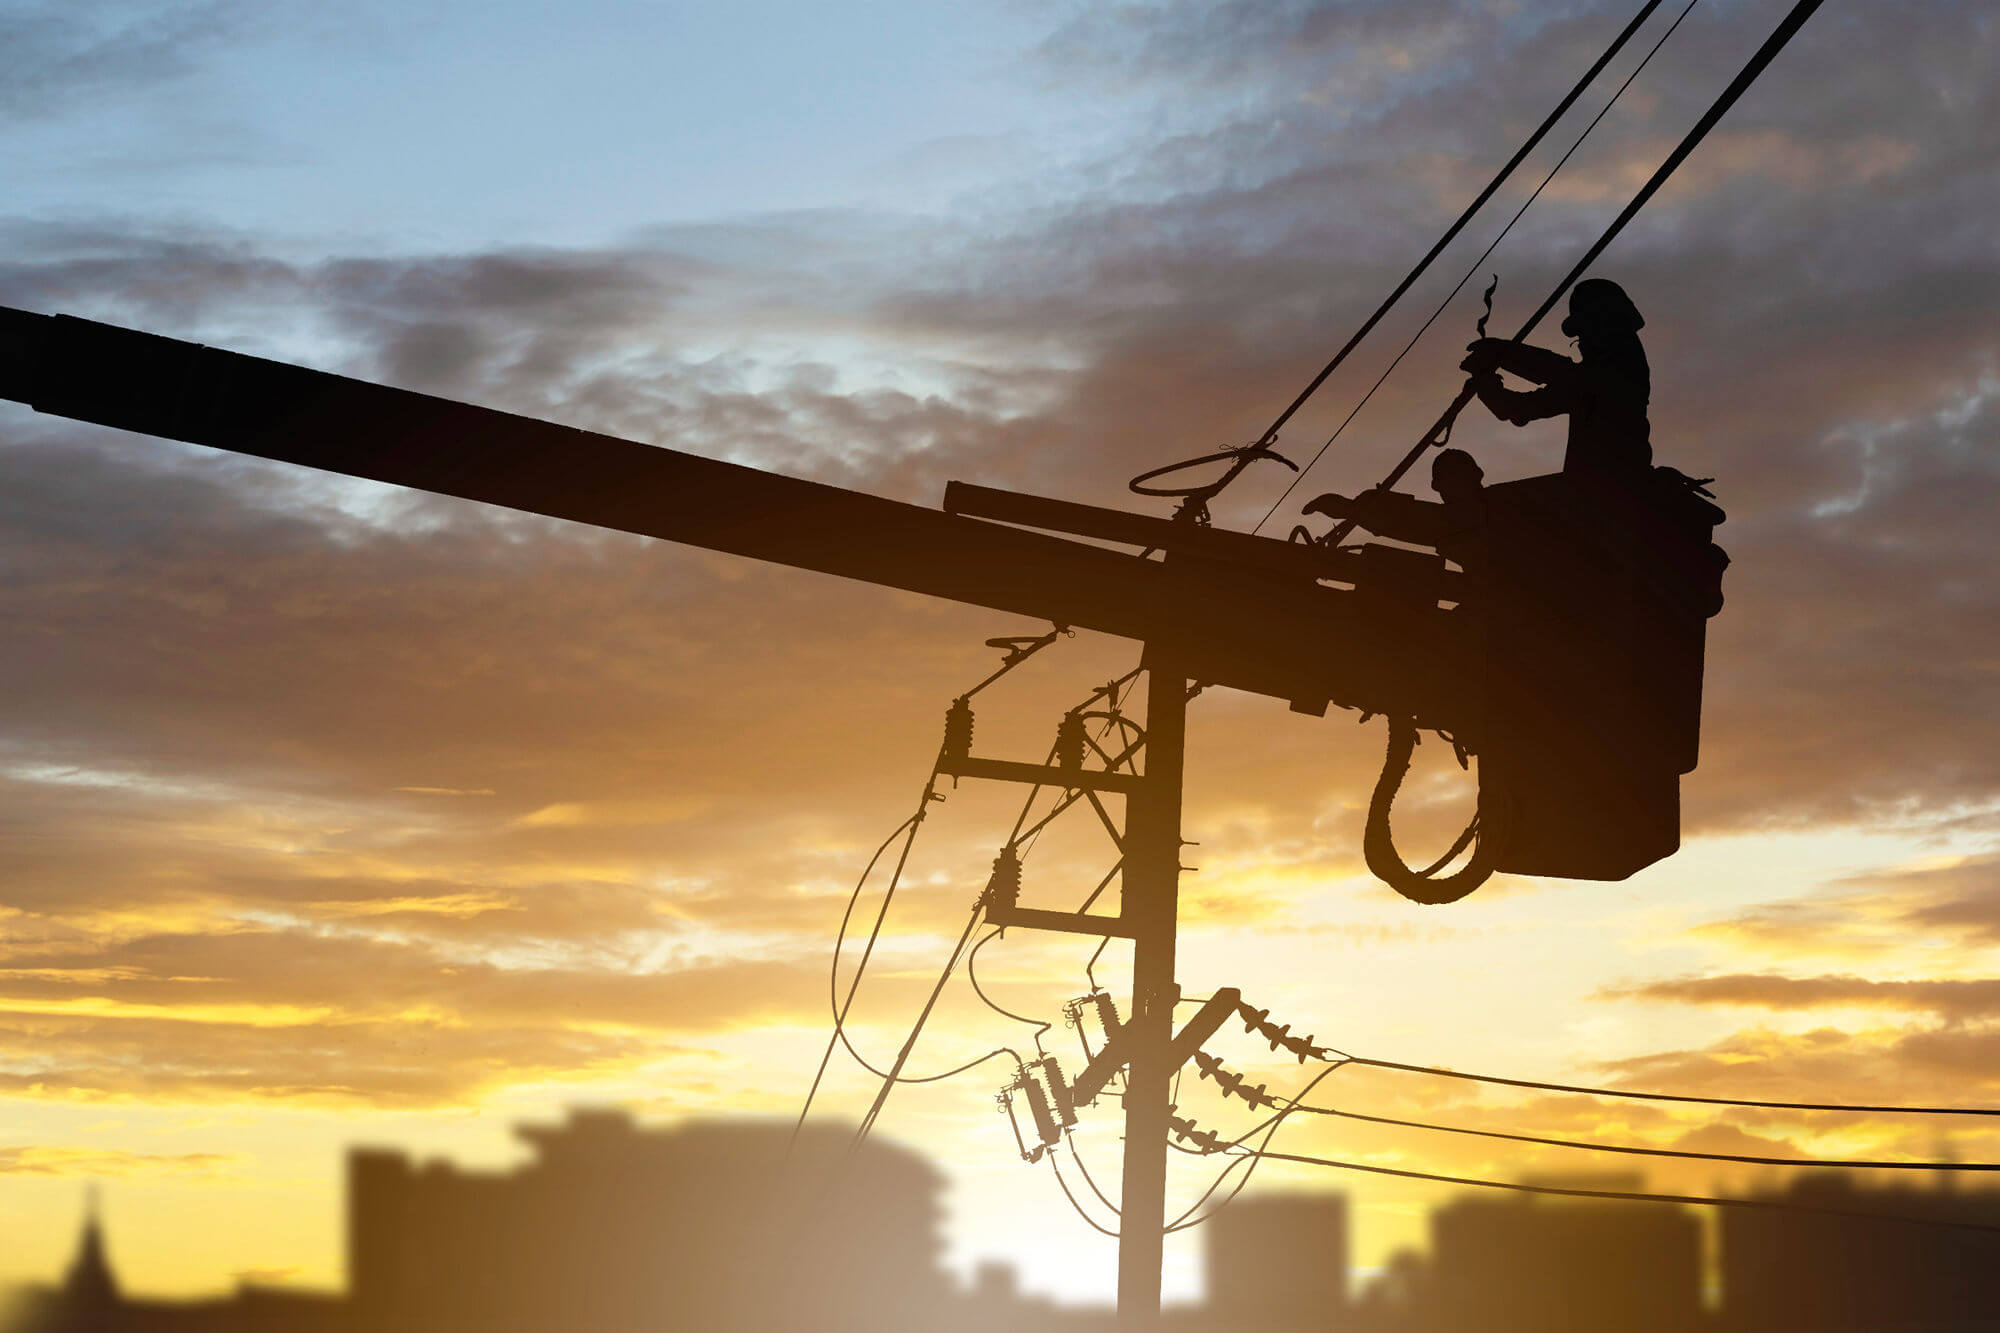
<point x="1041" y="775"/>
<point x="1073" y="923"/>
<point x="1118" y="1049"/>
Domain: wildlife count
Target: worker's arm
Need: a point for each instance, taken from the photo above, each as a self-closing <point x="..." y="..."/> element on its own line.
<point x="1519" y="408"/>
<point x="1388" y="514"/>
<point x="1537" y="364"/>
<point x="1556" y="373"/>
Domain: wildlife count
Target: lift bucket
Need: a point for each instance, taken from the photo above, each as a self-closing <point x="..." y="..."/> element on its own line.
<point x="1594" y="599"/>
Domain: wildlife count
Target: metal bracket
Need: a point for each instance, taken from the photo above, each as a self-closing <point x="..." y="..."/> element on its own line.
<point x="1117" y="1052"/>
<point x="1042" y="775"/>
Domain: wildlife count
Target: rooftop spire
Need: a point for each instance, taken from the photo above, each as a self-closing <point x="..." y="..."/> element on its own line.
<point x="90" y="1282"/>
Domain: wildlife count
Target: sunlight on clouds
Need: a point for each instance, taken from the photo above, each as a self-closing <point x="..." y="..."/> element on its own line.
<point x="456" y="904"/>
<point x="256" y="1015"/>
<point x="599" y="814"/>
<point x="36" y="1160"/>
<point x="249" y="703"/>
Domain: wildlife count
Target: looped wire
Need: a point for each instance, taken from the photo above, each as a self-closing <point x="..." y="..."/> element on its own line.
<point x="1194" y="499"/>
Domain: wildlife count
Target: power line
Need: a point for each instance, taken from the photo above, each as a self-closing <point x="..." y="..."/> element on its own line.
<point x="1672" y="1096"/>
<point x="1477" y="264"/>
<point x="1440" y="430"/>
<point x="1270" y="1128"/>
<point x="890" y="1079"/>
<point x="1650" y="1152"/>
<point x="1017" y="652"/>
<point x="839" y="1008"/>
<point x="1077" y="1157"/>
<point x="972" y="974"/>
<point x="1451" y="233"/>
<point x="1631" y="1196"/>
<point x="893" y="1075"/>
<point x="1749" y="74"/>
<point x="1094" y="1223"/>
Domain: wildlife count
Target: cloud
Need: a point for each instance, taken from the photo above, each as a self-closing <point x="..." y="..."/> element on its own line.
<point x="234" y="699"/>
<point x="1956" y="999"/>
<point x="50" y="1160"/>
<point x="56" y="56"/>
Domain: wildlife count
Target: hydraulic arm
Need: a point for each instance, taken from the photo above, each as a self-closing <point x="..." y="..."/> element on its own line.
<point x="1248" y="612"/>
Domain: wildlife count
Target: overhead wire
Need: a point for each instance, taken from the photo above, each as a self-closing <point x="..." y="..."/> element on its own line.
<point x="1018" y="651"/>
<point x="1672" y="1096"/>
<point x="1633" y="1150"/>
<point x="1630" y="1196"/>
<point x="1080" y="1211"/>
<point x="972" y="974"/>
<point x="890" y="1079"/>
<point x="1270" y="1129"/>
<point x="840" y="1007"/>
<point x="1780" y="37"/>
<point x="1476" y="265"/>
<point x="893" y="1075"/>
<point x="1441" y="429"/>
<point x="1270" y="434"/>
<point x="1077" y="1157"/>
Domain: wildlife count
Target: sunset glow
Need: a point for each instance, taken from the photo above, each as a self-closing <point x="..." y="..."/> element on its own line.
<point x="336" y="814"/>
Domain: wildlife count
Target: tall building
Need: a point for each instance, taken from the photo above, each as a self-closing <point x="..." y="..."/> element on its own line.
<point x="1278" y="1262"/>
<point x="709" y="1226"/>
<point x="1815" y="1273"/>
<point x="1528" y="1264"/>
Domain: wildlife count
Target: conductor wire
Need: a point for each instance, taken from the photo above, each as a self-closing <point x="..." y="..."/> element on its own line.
<point x="1477" y="264"/>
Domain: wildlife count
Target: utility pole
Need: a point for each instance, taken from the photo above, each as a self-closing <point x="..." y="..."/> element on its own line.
<point x="1151" y="906"/>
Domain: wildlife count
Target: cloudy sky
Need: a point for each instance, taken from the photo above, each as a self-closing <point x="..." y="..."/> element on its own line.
<point x="332" y="814"/>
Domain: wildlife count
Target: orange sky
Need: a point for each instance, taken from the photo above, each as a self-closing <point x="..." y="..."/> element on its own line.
<point x="334" y="814"/>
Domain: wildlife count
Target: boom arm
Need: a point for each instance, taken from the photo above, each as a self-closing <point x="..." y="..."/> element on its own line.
<point x="1255" y="617"/>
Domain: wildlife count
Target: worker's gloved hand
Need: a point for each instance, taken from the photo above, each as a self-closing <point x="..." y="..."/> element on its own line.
<point x="1482" y="357"/>
<point x="1332" y="504"/>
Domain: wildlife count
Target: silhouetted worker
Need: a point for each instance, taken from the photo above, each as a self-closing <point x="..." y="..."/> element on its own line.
<point x="1451" y="527"/>
<point x="1604" y="393"/>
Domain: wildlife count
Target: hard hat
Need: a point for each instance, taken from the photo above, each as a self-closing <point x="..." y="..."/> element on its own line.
<point x="1602" y="302"/>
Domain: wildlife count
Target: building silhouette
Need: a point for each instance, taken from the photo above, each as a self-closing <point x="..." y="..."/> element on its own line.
<point x="89" y="1301"/>
<point x="728" y="1226"/>
<point x="1797" y="1272"/>
<point x="710" y="1226"/>
<point x="1534" y="1264"/>
<point x="1276" y="1263"/>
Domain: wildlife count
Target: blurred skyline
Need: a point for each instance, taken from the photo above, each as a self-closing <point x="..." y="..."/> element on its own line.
<point x="329" y="811"/>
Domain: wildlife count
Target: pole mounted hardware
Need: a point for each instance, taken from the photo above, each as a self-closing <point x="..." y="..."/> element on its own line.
<point x="1051" y="1106"/>
<point x="1184" y="1127"/>
<point x="1259" y="1021"/>
<point x="1117" y="1052"/>
<point x="1233" y="1084"/>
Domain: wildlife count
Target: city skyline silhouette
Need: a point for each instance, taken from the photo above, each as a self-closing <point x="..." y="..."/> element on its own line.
<point x="733" y="1225"/>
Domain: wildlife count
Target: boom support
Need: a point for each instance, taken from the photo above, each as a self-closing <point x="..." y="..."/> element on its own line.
<point x="1235" y="610"/>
